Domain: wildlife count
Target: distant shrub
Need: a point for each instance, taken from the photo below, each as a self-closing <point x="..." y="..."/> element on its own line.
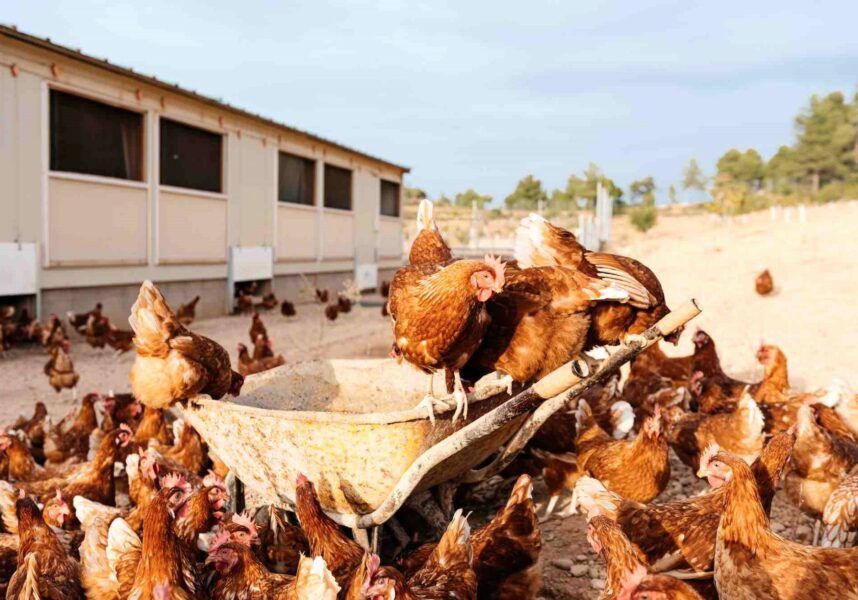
<point x="837" y="190"/>
<point x="643" y="218"/>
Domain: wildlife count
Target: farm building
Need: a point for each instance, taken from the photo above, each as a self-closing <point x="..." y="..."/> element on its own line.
<point x="110" y="177"/>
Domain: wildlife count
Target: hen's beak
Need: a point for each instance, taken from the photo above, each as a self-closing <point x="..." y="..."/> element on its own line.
<point x="497" y="289"/>
<point x="702" y="474"/>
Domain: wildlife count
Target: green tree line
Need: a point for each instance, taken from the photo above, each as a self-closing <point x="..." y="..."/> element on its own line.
<point x="820" y="165"/>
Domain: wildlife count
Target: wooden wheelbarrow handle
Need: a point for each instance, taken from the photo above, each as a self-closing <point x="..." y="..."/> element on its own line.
<point x="543" y="399"/>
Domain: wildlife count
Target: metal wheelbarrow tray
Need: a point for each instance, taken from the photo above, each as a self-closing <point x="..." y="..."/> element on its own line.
<point x="352" y="428"/>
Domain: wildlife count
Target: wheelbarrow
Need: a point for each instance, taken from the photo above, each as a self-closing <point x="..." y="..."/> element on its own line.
<point x="352" y="427"/>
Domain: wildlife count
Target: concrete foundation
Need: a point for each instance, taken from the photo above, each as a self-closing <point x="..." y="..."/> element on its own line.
<point x="117" y="300"/>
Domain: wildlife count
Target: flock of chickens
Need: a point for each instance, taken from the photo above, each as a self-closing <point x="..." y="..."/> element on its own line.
<point x="555" y="300"/>
<point x="121" y="500"/>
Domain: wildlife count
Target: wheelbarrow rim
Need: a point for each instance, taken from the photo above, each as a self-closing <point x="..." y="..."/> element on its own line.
<point x="489" y="390"/>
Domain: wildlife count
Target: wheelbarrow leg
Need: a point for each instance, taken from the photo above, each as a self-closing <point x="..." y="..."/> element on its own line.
<point x="399" y="534"/>
<point x="424" y="504"/>
<point x="376" y="534"/>
<point x="236" y="493"/>
<point x="361" y="537"/>
<point x="445" y="494"/>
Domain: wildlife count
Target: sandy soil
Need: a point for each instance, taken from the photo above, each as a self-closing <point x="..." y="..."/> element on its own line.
<point x="361" y="333"/>
<point x="810" y="316"/>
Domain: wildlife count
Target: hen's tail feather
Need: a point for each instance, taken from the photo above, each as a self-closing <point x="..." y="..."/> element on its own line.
<point x="591" y="493"/>
<point x="95" y="573"/>
<point x="8" y="497"/>
<point x="455" y="544"/>
<point x="425" y="216"/>
<point x="622" y="419"/>
<point x="149" y="316"/>
<point x="529" y="241"/>
<point x="314" y="580"/>
<point x="30" y="589"/>
<point x="521" y="491"/>
<point x="121" y="540"/>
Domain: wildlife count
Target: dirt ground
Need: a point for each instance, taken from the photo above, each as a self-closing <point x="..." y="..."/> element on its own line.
<point x="811" y="316"/>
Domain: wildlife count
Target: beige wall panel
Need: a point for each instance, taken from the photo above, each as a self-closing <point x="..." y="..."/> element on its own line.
<point x="296" y="233"/>
<point x="390" y="238"/>
<point x="251" y="181"/>
<point x="20" y="157"/>
<point x="95" y="223"/>
<point x="337" y="235"/>
<point x="191" y="228"/>
<point x="365" y="201"/>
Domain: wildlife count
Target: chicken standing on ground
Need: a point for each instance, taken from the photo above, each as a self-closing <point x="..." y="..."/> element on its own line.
<point x="341" y="554"/>
<point x="120" y="340"/>
<point x="506" y="550"/>
<point x="608" y="542"/>
<point x="446" y="574"/>
<point x="257" y="328"/>
<point x="740" y="432"/>
<point x="262" y="347"/>
<point x="819" y="461"/>
<point x="60" y="369"/>
<point x="287" y="309"/>
<point x="186" y="313"/>
<point x="160" y="558"/>
<point x="751" y="561"/>
<point x="764" y="284"/>
<point x="97" y="326"/>
<point x="332" y="311"/>
<point x="70" y="437"/>
<point x="638" y="469"/>
<point x="639" y="585"/>
<point x="249" y="366"/>
<point x="45" y="569"/>
<point x="240" y="575"/>
<point x="172" y="362"/>
<point x="243" y="303"/>
<point x="681" y="532"/>
<point x="53" y="333"/>
<point x="35" y="428"/>
<point x="269" y="301"/>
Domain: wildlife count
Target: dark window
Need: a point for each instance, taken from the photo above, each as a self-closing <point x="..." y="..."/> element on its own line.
<point x="190" y="157"/>
<point x="296" y="179"/>
<point x="338" y="188"/>
<point x="389" y="198"/>
<point x="94" y="138"/>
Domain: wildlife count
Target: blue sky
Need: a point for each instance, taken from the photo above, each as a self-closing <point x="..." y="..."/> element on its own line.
<point x="478" y="94"/>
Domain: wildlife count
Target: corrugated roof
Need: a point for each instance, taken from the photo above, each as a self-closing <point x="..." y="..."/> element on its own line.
<point x="103" y="63"/>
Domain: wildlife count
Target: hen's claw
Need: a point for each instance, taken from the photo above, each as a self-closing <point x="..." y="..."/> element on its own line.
<point x="631" y="339"/>
<point x="429" y="402"/>
<point x="461" y="399"/>
<point x="508" y="381"/>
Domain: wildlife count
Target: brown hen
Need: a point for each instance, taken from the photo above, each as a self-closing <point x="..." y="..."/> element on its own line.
<point x="172" y="362"/>
<point x="753" y="562"/>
